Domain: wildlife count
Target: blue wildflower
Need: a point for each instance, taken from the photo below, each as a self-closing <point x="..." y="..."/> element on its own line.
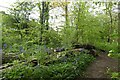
<point x="21" y="49"/>
<point x="64" y="59"/>
<point x="10" y="47"/>
<point x="5" y="45"/>
<point x="45" y="48"/>
<point x="78" y="59"/>
<point x="74" y="62"/>
<point x="0" y="50"/>
<point x="48" y="51"/>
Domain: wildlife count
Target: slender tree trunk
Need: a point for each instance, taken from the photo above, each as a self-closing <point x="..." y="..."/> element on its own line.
<point x="78" y="21"/>
<point x="110" y="29"/>
<point x="111" y="22"/>
<point x="41" y="12"/>
<point x="47" y="15"/>
<point x="66" y="13"/>
<point x="118" y="29"/>
<point x="78" y="17"/>
<point x="44" y="17"/>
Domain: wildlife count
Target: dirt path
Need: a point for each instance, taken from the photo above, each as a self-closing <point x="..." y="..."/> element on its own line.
<point x="98" y="68"/>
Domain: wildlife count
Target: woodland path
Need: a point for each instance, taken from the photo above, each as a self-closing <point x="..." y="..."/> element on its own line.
<point x="98" y="69"/>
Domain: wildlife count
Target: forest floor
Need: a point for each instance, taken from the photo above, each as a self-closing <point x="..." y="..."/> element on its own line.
<point x="98" y="69"/>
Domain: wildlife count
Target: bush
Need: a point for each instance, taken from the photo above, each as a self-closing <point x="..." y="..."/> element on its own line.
<point x="66" y="70"/>
<point x="51" y="38"/>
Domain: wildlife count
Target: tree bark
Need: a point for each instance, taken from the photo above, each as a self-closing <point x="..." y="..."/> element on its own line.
<point x="66" y="13"/>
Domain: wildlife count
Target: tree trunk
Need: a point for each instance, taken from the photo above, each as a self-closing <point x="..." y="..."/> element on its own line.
<point x="44" y="17"/>
<point x="108" y="9"/>
<point x="66" y="13"/>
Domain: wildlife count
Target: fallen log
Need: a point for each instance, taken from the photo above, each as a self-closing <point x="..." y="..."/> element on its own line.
<point x="88" y="47"/>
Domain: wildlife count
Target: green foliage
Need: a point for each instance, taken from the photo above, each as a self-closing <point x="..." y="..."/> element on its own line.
<point x="107" y="46"/>
<point x="51" y="38"/>
<point x="9" y="57"/>
<point x="114" y="54"/>
<point x="68" y="37"/>
<point x="113" y="75"/>
<point x="86" y="28"/>
<point x="31" y="39"/>
<point x="18" y="70"/>
<point x="64" y="70"/>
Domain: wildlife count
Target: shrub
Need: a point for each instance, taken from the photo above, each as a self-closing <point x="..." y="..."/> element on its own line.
<point x="66" y="70"/>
